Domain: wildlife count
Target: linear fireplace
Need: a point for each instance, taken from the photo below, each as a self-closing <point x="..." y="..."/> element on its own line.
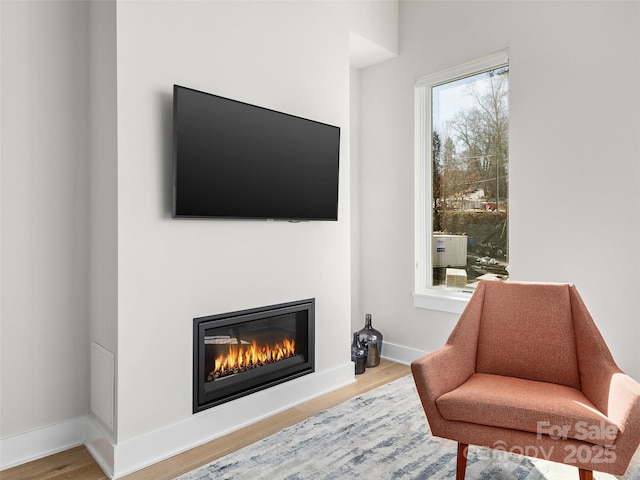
<point x="238" y="353"/>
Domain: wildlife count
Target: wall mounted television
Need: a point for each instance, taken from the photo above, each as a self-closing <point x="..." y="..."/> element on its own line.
<point x="241" y="161"/>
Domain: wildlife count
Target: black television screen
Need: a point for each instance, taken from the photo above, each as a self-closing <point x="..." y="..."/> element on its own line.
<point x="235" y="160"/>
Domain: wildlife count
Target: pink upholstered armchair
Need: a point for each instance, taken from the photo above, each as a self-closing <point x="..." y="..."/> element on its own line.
<point x="526" y="370"/>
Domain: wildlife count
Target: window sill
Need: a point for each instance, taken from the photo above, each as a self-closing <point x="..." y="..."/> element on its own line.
<point x="442" y="300"/>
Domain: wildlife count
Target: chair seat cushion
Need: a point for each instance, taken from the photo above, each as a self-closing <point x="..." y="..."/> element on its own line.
<point x="538" y="407"/>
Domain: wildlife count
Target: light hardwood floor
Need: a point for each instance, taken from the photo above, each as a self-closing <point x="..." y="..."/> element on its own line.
<point x="77" y="463"/>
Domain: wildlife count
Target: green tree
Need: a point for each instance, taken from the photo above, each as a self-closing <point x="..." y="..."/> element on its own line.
<point x="436" y="182"/>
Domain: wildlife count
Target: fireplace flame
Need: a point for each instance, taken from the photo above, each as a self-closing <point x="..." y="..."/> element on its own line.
<point x="246" y="357"/>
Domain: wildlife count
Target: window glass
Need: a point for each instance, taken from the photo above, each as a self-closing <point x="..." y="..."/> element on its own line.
<point x="463" y="195"/>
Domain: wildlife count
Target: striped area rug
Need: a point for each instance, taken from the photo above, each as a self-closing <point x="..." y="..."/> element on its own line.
<point x="379" y="435"/>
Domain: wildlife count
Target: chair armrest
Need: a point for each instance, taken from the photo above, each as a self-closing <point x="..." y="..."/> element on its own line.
<point x="436" y="374"/>
<point x="449" y="367"/>
<point x="623" y="404"/>
<point x="615" y="394"/>
<point x="441" y="371"/>
<point x="621" y="396"/>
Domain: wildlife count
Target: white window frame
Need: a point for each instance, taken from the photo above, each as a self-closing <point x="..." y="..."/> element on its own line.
<point x="425" y="295"/>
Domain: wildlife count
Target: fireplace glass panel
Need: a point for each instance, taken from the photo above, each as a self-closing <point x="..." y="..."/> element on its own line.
<point x="243" y="352"/>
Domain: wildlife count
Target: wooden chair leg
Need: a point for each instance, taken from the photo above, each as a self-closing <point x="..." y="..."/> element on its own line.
<point x="586" y="474"/>
<point x="461" y="465"/>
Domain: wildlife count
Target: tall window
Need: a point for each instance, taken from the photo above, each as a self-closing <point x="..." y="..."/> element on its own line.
<point x="462" y="184"/>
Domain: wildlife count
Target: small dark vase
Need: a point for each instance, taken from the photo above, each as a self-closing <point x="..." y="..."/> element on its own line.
<point x="372" y="341"/>
<point x="358" y="354"/>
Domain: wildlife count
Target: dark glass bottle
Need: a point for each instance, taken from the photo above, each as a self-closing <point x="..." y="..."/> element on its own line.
<point x="372" y="341"/>
<point x="358" y="354"/>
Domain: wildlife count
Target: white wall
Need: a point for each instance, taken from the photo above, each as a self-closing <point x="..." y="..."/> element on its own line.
<point x="354" y="116"/>
<point x="103" y="258"/>
<point x="376" y="21"/>
<point x="288" y="56"/>
<point x="574" y="150"/>
<point x="44" y="219"/>
<point x="373" y="29"/>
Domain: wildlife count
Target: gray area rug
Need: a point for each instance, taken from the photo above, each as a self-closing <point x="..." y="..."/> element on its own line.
<point x="382" y="434"/>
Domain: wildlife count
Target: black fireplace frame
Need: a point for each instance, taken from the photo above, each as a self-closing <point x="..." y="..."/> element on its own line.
<point x="263" y="377"/>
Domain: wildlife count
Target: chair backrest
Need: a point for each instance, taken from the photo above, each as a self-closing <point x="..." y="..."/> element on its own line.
<point x="526" y="331"/>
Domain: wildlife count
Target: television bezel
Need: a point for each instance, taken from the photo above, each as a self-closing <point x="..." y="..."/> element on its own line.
<point x="175" y="192"/>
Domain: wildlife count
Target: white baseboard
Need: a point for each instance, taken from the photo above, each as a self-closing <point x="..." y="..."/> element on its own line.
<point x="400" y="354"/>
<point x="145" y="450"/>
<point x="129" y="455"/>
<point x="100" y="445"/>
<point x="124" y="457"/>
<point x="28" y="446"/>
